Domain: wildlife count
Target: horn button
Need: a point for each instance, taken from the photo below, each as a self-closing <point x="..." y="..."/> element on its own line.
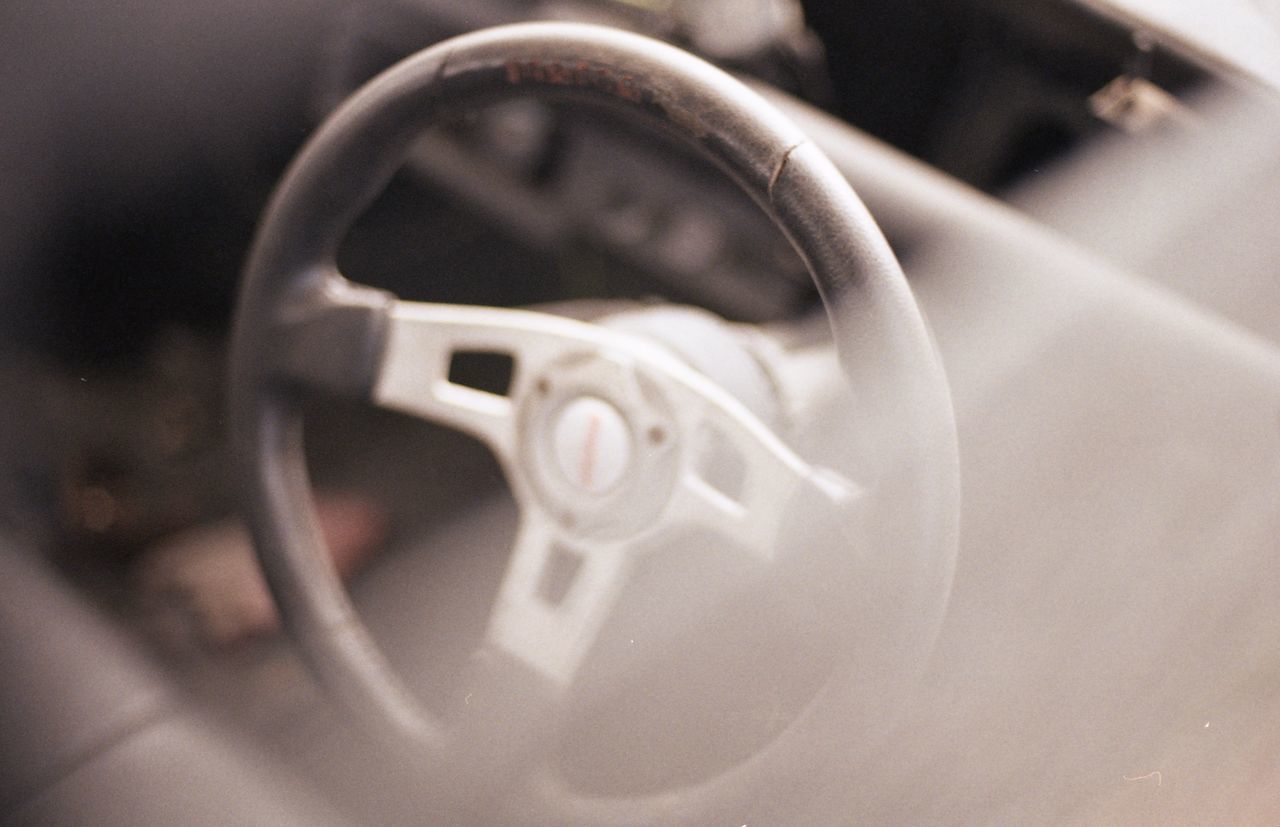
<point x="592" y="445"/>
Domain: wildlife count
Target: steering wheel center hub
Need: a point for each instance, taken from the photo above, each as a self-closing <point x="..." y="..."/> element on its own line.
<point x="585" y="449"/>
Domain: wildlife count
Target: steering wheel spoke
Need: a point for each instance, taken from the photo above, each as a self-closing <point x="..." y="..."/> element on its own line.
<point x="423" y="342"/>
<point x="555" y="596"/>
<point x="696" y="504"/>
<point x="753" y="520"/>
<point x="736" y="477"/>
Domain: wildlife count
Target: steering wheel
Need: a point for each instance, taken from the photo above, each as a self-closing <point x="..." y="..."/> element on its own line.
<point x="598" y="432"/>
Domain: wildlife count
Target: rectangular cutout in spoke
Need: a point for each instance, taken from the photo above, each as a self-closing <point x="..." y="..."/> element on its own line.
<point x="482" y="370"/>
<point x="558" y="574"/>
<point x="720" y="464"/>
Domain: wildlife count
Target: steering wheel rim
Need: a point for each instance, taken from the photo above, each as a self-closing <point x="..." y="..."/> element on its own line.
<point x="300" y="324"/>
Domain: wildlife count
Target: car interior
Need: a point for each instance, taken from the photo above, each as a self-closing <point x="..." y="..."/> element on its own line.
<point x="631" y="412"/>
